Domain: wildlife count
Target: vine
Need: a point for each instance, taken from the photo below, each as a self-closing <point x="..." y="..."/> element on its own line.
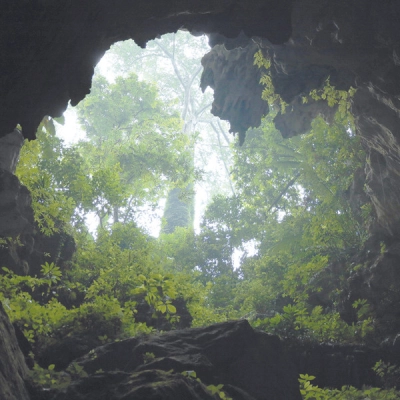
<point x="328" y="93"/>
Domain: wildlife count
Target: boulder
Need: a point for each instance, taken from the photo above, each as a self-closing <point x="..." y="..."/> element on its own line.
<point x="250" y="364"/>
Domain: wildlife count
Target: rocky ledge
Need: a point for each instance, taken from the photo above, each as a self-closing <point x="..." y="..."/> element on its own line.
<point x="251" y="365"/>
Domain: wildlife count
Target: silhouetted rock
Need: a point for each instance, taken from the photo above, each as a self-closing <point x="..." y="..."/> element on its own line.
<point x="252" y="364"/>
<point x="13" y="370"/>
<point x="145" y="385"/>
<point x="16" y="215"/>
<point x="236" y="84"/>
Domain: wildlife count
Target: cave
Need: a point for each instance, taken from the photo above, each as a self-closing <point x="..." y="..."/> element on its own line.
<point x="50" y="49"/>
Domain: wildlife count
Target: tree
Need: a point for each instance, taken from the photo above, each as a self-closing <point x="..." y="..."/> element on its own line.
<point x="293" y="205"/>
<point x="173" y="61"/>
<point x="41" y="168"/>
<point x="134" y="146"/>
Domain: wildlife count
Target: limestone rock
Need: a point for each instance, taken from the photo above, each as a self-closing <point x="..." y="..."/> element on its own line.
<point x="354" y="44"/>
<point x="49" y="50"/>
<point x="33" y="248"/>
<point x="376" y="280"/>
<point x="251" y="364"/>
<point x="236" y="84"/>
<point x="145" y="385"/>
<point x="10" y="146"/>
<point x="16" y="215"/>
<point x="13" y="370"/>
<point x="336" y="365"/>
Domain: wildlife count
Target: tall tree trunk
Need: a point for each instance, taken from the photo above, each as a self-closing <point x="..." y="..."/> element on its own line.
<point x="178" y="212"/>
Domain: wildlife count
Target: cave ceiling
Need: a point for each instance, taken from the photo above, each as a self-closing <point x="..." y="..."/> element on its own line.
<point x="49" y="50"/>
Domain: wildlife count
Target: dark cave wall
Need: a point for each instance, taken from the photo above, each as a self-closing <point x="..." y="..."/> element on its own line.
<point x="13" y="370"/>
<point x="354" y="43"/>
<point x="49" y="49"/>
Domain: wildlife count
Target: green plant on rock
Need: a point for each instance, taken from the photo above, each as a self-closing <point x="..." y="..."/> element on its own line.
<point x="76" y="371"/>
<point x="388" y="373"/>
<point x="310" y="392"/>
<point x="217" y="389"/>
<point x="36" y="317"/>
<point x="213" y="389"/>
<point x="158" y="291"/>
<point x="49" y="378"/>
<point x="297" y="321"/>
<point x="268" y="93"/>
<point x="148" y="357"/>
<point x="333" y="97"/>
<point x="52" y="208"/>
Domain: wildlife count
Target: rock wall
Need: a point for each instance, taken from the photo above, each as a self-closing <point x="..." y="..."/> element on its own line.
<point x="251" y="365"/>
<point x="16" y="216"/>
<point x="236" y="84"/>
<point x="49" y="49"/>
<point x="13" y="370"/>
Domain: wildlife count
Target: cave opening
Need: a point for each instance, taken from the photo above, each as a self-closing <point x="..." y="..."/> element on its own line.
<point x="49" y="56"/>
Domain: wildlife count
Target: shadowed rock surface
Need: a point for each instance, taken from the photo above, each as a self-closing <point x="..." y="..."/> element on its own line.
<point x="49" y="50"/>
<point x="16" y="215"/>
<point x="236" y="84"/>
<point x="146" y="385"/>
<point x="250" y="364"/>
<point x="13" y="370"/>
<point x="338" y="365"/>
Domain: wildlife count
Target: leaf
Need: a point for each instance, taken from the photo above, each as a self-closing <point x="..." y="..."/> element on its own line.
<point x="171" y="308"/>
<point x="162" y="308"/>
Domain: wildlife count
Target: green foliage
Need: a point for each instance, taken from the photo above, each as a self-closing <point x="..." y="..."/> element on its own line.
<point x="333" y="97"/>
<point x="148" y="357"/>
<point x="290" y="203"/>
<point x="311" y="392"/>
<point x="268" y="93"/>
<point x="173" y="62"/>
<point x="213" y="389"/>
<point x="296" y="321"/>
<point x="158" y="290"/>
<point x="105" y="284"/>
<point x="294" y="207"/>
<point x="135" y="147"/>
<point x="134" y="152"/>
<point x="16" y="293"/>
<point x="52" y="208"/>
<point x="51" y="273"/>
<point x="388" y="373"/>
<point x="217" y="389"/>
<point x="48" y="378"/>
